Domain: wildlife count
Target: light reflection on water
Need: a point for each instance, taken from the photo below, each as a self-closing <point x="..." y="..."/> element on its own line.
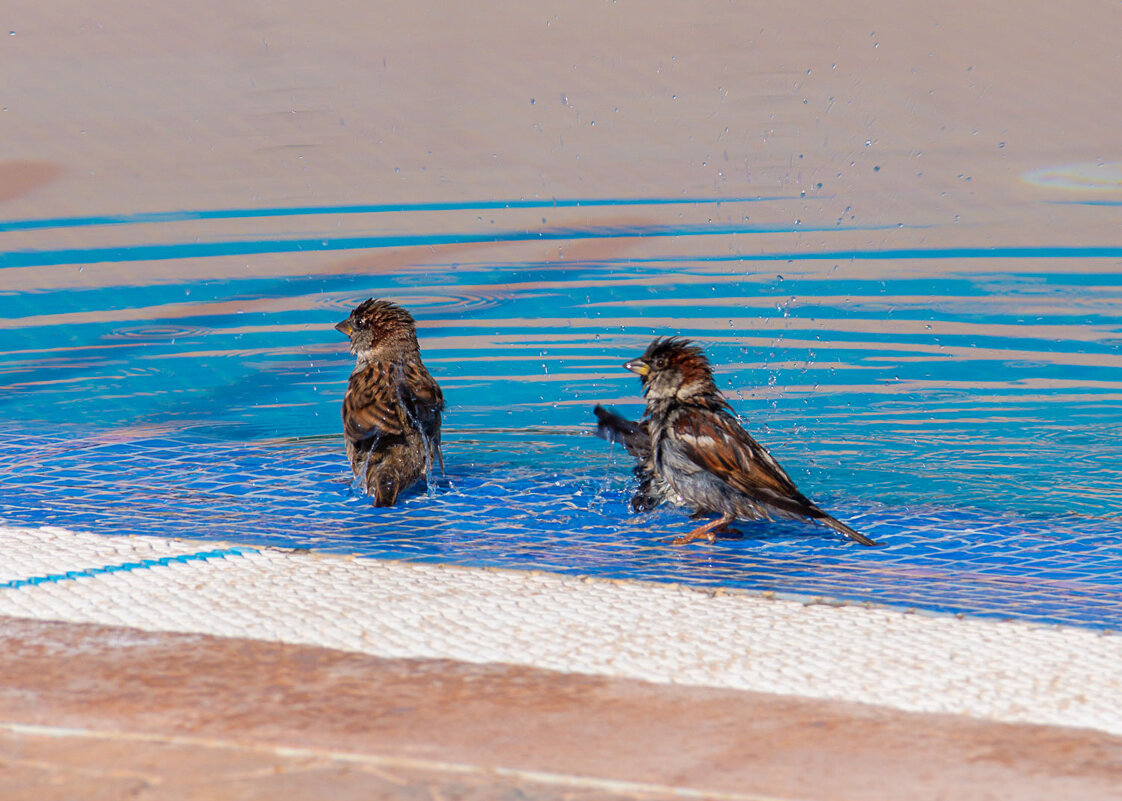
<point x="961" y="404"/>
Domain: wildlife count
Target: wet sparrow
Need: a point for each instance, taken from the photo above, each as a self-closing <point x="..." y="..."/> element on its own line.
<point x="391" y="412"/>
<point x="692" y="451"/>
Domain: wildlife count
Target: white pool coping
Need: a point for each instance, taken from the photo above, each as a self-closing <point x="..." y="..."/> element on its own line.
<point x="1003" y="671"/>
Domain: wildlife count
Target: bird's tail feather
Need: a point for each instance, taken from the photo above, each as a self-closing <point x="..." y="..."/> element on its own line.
<point x="848" y="531"/>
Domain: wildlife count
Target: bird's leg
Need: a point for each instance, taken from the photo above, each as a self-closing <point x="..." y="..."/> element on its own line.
<point x="725" y="529"/>
<point x="706" y="532"/>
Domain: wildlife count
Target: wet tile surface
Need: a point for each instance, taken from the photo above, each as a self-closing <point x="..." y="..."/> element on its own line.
<point x="1044" y="568"/>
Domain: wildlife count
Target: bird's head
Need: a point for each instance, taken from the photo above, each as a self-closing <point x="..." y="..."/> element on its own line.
<point x="673" y="367"/>
<point x="378" y="326"/>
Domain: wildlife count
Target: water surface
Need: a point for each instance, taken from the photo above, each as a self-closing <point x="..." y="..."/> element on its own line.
<point x="177" y="374"/>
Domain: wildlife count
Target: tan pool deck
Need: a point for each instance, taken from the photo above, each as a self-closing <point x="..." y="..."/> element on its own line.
<point x="910" y="112"/>
<point x="553" y="686"/>
<point x="102" y="713"/>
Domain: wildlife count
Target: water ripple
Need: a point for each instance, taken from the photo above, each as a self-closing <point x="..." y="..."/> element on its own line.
<point x="960" y="402"/>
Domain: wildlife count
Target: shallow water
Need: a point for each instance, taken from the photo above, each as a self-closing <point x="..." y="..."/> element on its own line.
<point x="178" y="374"/>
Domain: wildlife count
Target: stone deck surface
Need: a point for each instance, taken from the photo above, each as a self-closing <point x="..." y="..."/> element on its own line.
<point x="98" y="712"/>
<point x="143" y="667"/>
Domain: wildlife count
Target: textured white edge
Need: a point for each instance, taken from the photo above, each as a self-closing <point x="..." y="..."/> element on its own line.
<point x="1004" y="671"/>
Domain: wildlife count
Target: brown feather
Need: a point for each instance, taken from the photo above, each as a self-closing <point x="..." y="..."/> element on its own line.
<point x="699" y="455"/>
<point x="370" y="407"/>
<point x="392" y="406"/>
<point x="738" y="459"/>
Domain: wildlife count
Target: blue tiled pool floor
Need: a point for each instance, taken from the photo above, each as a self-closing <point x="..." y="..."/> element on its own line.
<point x="1047" y="568"/>
<point x="945" y="389"/>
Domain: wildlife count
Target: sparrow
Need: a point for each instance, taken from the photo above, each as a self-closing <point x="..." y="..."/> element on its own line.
<point x="392" y="407"/>
<point x="692" y="452"/>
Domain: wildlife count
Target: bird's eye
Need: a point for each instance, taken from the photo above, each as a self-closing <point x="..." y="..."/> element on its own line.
<point x="660" y="362"/>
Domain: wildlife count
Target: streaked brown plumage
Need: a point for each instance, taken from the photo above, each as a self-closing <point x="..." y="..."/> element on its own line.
<point x="692" y="452"/>
<point x="392" y="407"/>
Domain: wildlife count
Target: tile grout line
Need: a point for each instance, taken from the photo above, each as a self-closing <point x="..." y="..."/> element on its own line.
<point x="125" y="567"/>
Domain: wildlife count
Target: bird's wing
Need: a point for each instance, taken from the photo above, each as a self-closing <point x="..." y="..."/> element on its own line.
<point x="371" y="407"/>
<point x="421" y="396"/>
<point x="613" y="427"/>
<point x="714" y="441"/>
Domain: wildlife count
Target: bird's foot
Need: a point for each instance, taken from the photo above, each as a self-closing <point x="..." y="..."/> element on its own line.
<point x="708" y="532"/>
<point x="708" y="536"/>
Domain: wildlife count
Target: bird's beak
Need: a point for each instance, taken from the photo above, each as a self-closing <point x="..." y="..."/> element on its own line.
<point x="639" y="367"/>
<point x="345" y="327"/>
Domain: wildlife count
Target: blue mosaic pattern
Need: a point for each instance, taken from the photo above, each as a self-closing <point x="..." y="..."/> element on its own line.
<point x="960" y="404"/>
<point x="1048" y="569"/>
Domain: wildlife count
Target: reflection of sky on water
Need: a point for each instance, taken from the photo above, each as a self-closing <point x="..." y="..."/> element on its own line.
<point x="959" y="403"/>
